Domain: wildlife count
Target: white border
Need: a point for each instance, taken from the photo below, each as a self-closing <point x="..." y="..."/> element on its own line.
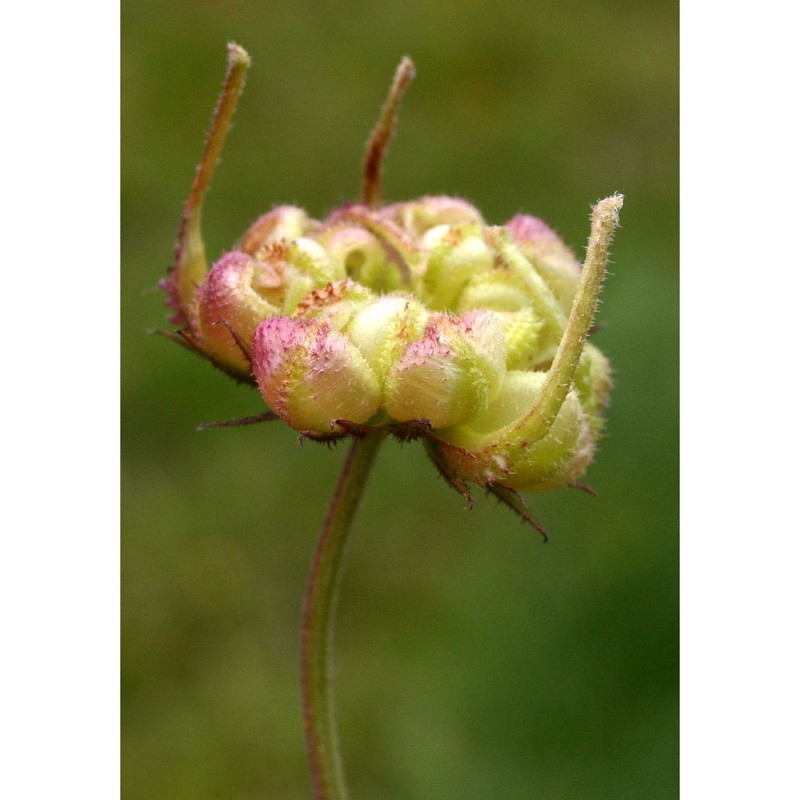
<point x="59" y="574"/>
<point x="59" y="570"/>
<point x="739" y="320"/>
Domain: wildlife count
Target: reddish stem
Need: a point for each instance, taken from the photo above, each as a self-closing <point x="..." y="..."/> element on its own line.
<point x="318" y="618"/>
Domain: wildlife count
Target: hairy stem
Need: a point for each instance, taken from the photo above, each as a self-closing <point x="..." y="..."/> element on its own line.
<point x="190" y="261"/>
<point x="318" y="619"/>
<point x="372" y="185"/>
<point x="560" y="376"/>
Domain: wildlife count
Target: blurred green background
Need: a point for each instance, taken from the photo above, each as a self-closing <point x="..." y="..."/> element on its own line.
<point x="473" y="662"/>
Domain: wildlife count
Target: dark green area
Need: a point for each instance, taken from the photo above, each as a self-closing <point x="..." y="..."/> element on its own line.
<point x="473" y="662"/>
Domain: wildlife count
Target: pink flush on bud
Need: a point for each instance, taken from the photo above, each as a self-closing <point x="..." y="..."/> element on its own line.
<point x="311" y="375"/>
<point x="451" y="373"/>
<point x="549" y="255"/>
<point x="230" y="308"/>
<point x="283" y="223"/>
<point x="525" y="228"/>
<point x="419" y="216"/>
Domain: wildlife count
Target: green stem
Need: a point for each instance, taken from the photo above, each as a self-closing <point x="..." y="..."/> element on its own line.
<point x="318" y="618"/>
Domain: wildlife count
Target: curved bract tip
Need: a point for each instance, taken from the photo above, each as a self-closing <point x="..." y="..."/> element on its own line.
<point x="190" y="256"/>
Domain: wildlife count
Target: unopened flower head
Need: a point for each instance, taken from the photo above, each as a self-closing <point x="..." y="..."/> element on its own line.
<point x="419" y="317"/>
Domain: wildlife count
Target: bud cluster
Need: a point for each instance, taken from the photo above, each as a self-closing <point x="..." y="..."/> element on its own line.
<point x="417" y="316"/>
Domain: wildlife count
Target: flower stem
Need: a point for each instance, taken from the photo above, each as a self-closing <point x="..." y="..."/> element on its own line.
<point x="318" y="618"/>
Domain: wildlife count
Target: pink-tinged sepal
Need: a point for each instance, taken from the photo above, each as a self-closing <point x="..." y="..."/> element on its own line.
<point x="455" y="254"/>
<point x="504" y="446"/>
<point x="549" y="255"/>
<point x="593" y="382"/>
<point x="383" y="329"/>
<point x="311" y="375"/>
<point x="451" y="373"/>
<point x="537" y="434"/>
<point x="335" y="303"/>
<point x="401" y="248"/>
<point x="416" y="217"/>
<point x="230" y="306"/>
<point x="361" y="256"/>
<point x="283" y="223"/>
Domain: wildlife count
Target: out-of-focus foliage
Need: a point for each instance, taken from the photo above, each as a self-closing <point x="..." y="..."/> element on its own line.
<point x="473" y="661"/>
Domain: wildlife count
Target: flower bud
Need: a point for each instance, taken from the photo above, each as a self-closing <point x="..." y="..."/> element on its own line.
<point x="500" y="446"/>
<point x="311" y="375"/>
<point x="335" y="303"/>
<point x="403" y="250"/>
<point x="551" y="258"/>
<point x="458" y="252"/>
<point x="387" y="315"/>
<point x="360" y="255"/>
<point x="540" y="296"/>
<point x="593" y="384"/>
<point x="536" y="435"/>
<point x="307" y="267"/>
<point x="384" y="328"/>
<point x="283" y="222"/>
<point x="521" y="331"/>
<point x="504" y="294"/>
<point x="451" y="373"/>
<point x="241" y="291"/>
<point x="418" y="216"/>
<point x="310" y="258"/>
<point x="231" y="302"/>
